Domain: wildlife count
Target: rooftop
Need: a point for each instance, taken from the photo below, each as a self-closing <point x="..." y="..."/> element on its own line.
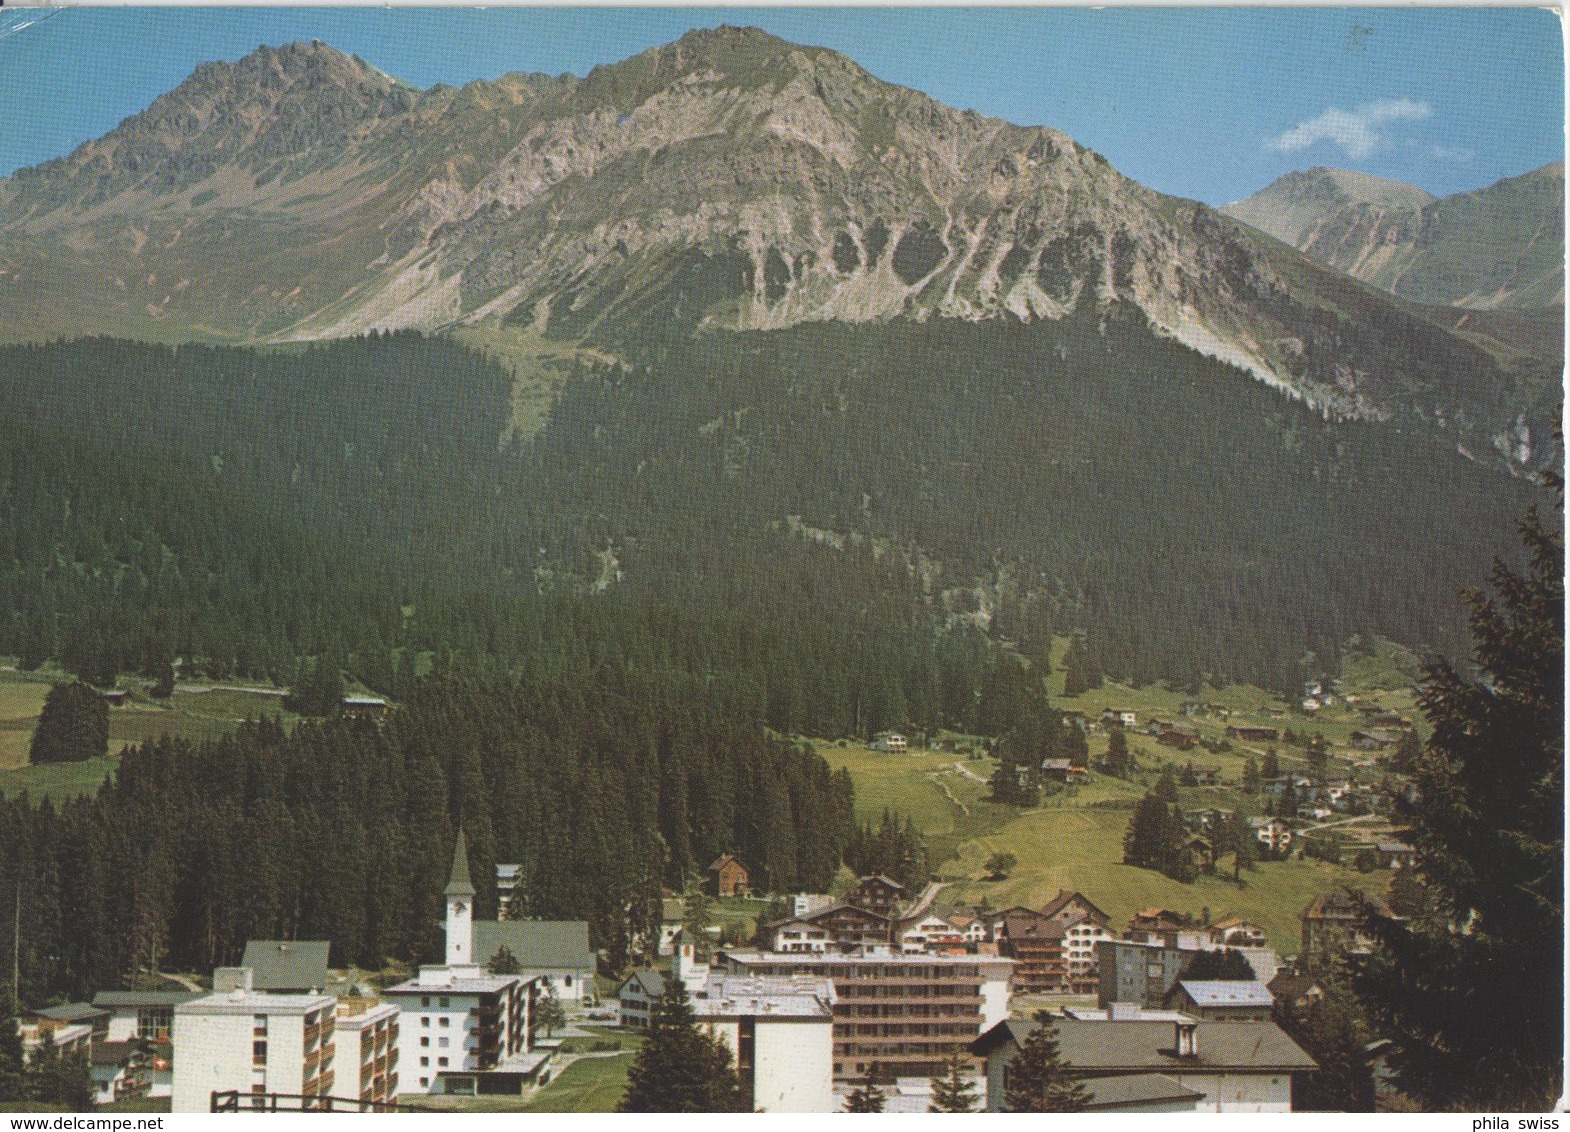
<point x="1218" y="992"/>
<point x="1100" y="1047"/>
<point x="738" y="996"/>
<point x="536" y="944"/>
<point x="110" y="999"/>
<point x="285" y="965"/>
<point x="453" y="980"/>
<point x="879" y="958"/>
<point x="254" y="1002"/>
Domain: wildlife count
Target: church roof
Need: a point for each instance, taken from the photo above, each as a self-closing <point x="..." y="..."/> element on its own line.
<point x="551" y="945"/>
<point x="460" y="884"/>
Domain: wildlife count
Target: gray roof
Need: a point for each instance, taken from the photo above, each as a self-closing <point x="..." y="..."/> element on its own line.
<point x="1220" y="992"/>
<point x="1135" y="1090"/>
<point x="1094" y="1048"/>
<point x="110" y="999"/>
<point x="71" y="1012"/>
<point x="537" y="944"/>
<point x="460" y="884"/>
<point x="287" y="965"/>
<point x="650" y="983"/>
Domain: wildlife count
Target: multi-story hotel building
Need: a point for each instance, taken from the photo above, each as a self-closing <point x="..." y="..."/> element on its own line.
<point x="238" y="1039"/>
<point x="367" y="1040"/>
<point x="904" y="1014"/>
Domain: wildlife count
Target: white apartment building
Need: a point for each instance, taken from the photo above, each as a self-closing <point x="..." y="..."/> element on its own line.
<point x="238" y="1039"/>
<point x="459" y="1021"/>
<point x="780" y="1032"/>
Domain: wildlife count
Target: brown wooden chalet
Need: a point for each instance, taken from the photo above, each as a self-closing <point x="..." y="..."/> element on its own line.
<point x="728" y="877"/>
<point x="878" y="894"/>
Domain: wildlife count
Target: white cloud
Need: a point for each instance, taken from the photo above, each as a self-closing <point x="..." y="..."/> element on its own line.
<point x="1459" y="154"/>
<point x="1358" y="132"/>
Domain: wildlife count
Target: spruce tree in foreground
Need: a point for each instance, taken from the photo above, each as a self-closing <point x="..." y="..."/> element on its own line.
<point x="866" y="1097"/>
<point x="953" y="1091"/>
<point x="13" y="1080"/>
<point x="73" y="727"/>
<point x="679" y="1068"/>
<point x="1038" y="1079"/>
<point x="1470" y="990"/>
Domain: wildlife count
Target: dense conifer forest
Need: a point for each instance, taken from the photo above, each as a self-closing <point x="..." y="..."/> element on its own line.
<point x="605" y="787"/>
<point x="849" y="500"/>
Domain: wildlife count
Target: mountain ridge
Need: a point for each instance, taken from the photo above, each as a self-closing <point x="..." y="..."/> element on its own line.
<point x="1498" y="246"/>
<point x="730" y="179"/>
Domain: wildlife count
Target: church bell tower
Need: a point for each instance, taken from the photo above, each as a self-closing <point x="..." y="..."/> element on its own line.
<point x="460" y="908"/>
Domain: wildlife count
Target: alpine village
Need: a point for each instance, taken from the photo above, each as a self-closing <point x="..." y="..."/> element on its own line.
<point x="722" y="584"/>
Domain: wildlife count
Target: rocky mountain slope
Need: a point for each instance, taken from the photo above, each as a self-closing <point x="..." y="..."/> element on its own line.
<point x="727" y="180"/>
<point x="1498" y="247"/>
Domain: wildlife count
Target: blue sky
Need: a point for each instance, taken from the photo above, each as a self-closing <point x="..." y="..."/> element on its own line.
<point x="1204" y="103"/>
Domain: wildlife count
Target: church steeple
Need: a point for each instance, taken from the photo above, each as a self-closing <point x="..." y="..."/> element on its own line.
<point x="460" y="884"/>
<point x="460" y="907"/>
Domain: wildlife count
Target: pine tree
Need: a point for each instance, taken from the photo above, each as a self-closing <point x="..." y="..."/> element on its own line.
<point x="1038" y="1080"/>
<point x="1471" y="990"/>
<point x="549" y="1012"/>
<point x="504" y="962"/>
<point x="1250" y="776"/>
<point x="679" y="1068"/>
<point x="14" y="1084"/>
<point x="73" y="727"/>
<point x="1119" y="763"/>
<point x="953" y="1091"/>
<point x="866" y="1097"/>
<point x="1334" y="1032"/>
<point x="1271" y="767"/>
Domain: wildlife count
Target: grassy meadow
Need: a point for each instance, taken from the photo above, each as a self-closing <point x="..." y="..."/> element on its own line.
<point x="195" y="712"/>
<point x="1074" y="840"/>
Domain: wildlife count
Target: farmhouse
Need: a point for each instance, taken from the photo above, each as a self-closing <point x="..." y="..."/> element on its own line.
<point x="889" y="741"/>
<point x="1254" y="734"/>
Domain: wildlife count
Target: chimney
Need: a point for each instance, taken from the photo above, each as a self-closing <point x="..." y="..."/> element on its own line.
<point x="1187" y="1038"/>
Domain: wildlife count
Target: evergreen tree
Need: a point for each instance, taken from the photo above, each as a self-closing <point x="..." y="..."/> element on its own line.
<point x="1470" y="990"/>
<point x="866" y="1097"/>
<point x="1119" y="763"/>
<point x="73" y="726"/>
<point x="1081" y="670"/>
<point x="953" y="1090"/>
<point x="549" y="1012"/>
<point x="1405" y="754"/>
<point x="14" y="1084"/>
<point x="1250" y="776"/>
<point x="504" y="962"/>
<point x="1334" y="1032"/>
<point x="1038" y="1079"/>
<point x="1271" y="768"/>
<point x="1223" y="965"/>
<point x="60" y="1078"/>
<point x="679" y="1068"/>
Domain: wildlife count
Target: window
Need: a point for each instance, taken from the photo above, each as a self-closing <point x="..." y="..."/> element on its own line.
<point x="441" y="1062"/>
<point x="425" y="1000"/>
<point x="444" y="1001"/>
<point x="425" y="1080"/>
<point x="425" y="1020"/>
<point x="259" y="1053"/>
<point x="441" y="1043"/>
<point x="442" y="1022"/>
<point x="425" y="1062"/>
<point x="425" y="1041"/>
<point x="569" y="980"/>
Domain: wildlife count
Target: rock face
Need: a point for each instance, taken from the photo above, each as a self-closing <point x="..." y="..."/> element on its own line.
<point x="1498" y="247"/>
<point x="729" y="179"/>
